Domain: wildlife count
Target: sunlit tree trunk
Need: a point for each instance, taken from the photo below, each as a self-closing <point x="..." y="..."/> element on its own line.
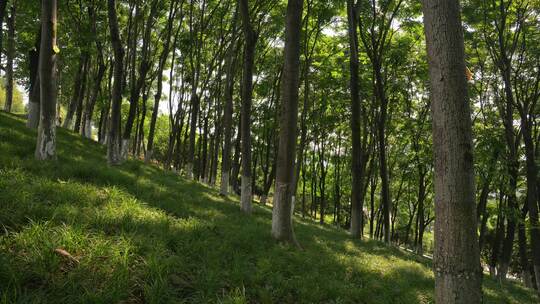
<point x="46" y="136"/>
<point x="456" y="264"/>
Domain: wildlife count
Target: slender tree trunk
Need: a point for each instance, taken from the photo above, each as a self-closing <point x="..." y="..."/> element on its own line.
<point x="357" y="199"/>
<point x="113" y="140"/>
<point x="3" y="6"/>
<point x="34" y="91"/>
<point x="72" y="106"/>
<point x="458" y="275"/>
<point x="532" y="194"/>
<point x="162" y="60"/>
<point x="250" y="40"/>
<point x="10" y="52"/>
<point x="139" y="83"/>
<point x="227" y="122"/>
<point x="82" y="95"/>
<point x="523" y="259"/>
<point x="282" y="228"/>
<point x="46" y="137"/>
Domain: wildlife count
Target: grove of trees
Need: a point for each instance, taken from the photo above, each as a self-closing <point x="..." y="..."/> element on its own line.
<point x="417" y="124"/>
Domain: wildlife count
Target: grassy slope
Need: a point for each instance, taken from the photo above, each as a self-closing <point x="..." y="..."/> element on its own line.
<point x="145" y="235"/>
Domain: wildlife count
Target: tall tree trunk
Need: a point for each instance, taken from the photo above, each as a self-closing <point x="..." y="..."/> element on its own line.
<point x="458" y="275"/>
<point x="357" y="200"/>
<point x="250" y="39"/>
<point x="523" y="259"/>
<point x="282" y="228"/>
<point x="227" y="121"/>
<point x="532" y="193"/>
<point x="89" y="110"/>
<point x="72" y="106"/>
<point x="162" y="60"/>
<point x="113" y="140"/>
<point x="381" y="133"/>
<point x="3" y="6"/>
<point x="10" y="52"/>
<point x="139" y="83"/>
<point x="46" y="136"/>
<point x="82" y="95"/>
<point x="34" y="90"/>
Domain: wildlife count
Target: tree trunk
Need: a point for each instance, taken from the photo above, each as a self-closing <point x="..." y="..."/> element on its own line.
<point x="10" y="52"/>
<point x="357" y="200"/>
<point x="139" y="83"/>
<point x="282" y="228"/>
<point x="227" y="121"/>
<point x="250" y="39"/>
<point x="456" y="263"/>
<point x="82" y="94"/>
<point x="3" y="6"/>
<point x="162" y="60"/>
<point x="72" y="106"/>
<point x="46" y="137"/>
<point x="34" y="90"/>
<point x="532" y="194"/>
<point x="113" y="140"/>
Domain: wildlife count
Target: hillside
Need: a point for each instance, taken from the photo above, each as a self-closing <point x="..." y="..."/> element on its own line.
<point x="138" y="234"/>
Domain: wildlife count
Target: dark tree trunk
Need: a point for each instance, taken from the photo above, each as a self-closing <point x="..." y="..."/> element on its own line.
<point x="34" y="90"/>
<point x="82" y="94"/>
<point x="72" y="106"/>
<point x="250" y="40"/>
<point x="456" y="263"/>
<point x="3" y="6"/>
<point x="357" y="199"/>
<point x="227" y="120"/>
<point x="113" y="140"/>
<point x="139" y="83"/>
<point x="162" y="60"/>
<point x="46" y="137"/>
<point x="10" y="56"/>
<point x="282" y="228"/>
<point x="101" y="68"/>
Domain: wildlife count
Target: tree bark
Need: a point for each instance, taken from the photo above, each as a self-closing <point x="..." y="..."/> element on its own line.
<point x="34" y="90"/>
<point x="282" y="228"/>
<point x="456" y="263"/>
<point x="227" y="121"/>
<point x="139" y="83"/>
<point x="157" y="97"/>
<point x="72" y="106"/>
<point x="357" y="200"/>
<point x="250" y="40"/>
<point x="113" y="140"/>
<point x="3" y="6"/>
<point x="46" y="137"/>
<point x="10" y="52"/>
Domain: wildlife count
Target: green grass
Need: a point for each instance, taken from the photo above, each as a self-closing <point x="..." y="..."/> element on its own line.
<point x="143" y="235"/>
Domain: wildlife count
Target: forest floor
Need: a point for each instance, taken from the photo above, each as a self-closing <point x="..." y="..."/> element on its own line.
<point x="138" y="234"/>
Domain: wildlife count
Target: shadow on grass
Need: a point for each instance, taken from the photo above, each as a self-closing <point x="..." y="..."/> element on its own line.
<point x="146" y="235"/>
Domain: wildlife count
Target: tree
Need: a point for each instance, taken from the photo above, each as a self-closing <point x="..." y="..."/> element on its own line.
<point x="282" y="228"/>
<point x="250" y="40"/>
<point x="34" y="91"/>
<point x="10" y="52"/>
<point x="113" y="140"/>
<point x="357" y="199"/>
<point x="46" y="136"/>
<point x="458" y="275"/>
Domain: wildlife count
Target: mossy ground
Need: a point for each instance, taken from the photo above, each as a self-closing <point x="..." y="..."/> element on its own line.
<point x="144" y="235"/>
